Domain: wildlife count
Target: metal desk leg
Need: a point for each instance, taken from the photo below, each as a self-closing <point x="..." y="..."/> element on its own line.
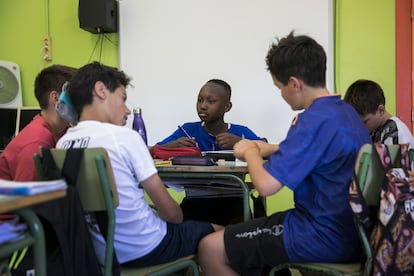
<point x="39" y="247"/>
<point x="209" y="176"/>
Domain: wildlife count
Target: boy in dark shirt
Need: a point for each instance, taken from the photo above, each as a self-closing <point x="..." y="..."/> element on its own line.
<point x="368" y="99"/>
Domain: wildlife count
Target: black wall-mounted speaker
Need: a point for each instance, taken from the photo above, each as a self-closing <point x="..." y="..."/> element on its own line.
<point x="98" y="16"/>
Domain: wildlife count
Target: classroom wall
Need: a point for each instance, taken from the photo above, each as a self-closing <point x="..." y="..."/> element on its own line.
<point x="229" y="43"/>
<point x="364" y="46"/>
<point x="24" y="24"/>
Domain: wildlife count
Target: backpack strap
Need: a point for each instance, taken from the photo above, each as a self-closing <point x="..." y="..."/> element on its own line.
<point x="405" y="159"/>
<point x="70" y="169"/>
<point x="383" y="155"/>
<point x="71" y="165"/>
<point x="401" y="160"/>
<point x="361" y="210"/>
<point x="50" y="170"/>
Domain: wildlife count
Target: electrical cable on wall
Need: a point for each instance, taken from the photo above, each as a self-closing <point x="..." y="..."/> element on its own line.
<point x="47" y="17"/>
<point x="46" y="54"/>
<point x="110" y="40"/>
<point x="99" y="41"/>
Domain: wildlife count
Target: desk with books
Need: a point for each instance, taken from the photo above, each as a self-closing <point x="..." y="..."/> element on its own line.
<point x="230" y="174"/>
<point x="35" y="237"/>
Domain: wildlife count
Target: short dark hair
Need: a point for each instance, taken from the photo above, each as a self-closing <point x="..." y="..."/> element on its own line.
<point x="51" y="79"/>
<point x="82" y="84"/>
<point x="298" y="56"/>
<point x="222" y="83"/>
<point x="365" y="96"/>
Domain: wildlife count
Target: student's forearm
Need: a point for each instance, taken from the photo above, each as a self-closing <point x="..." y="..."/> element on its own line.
<point x="264" y="183"/>
<point x="267" y="149"/>
<point x="173" y="216"/>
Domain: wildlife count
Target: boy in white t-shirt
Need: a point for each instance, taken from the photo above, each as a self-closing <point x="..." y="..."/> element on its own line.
<point x="367" y="97"/>
<point x="142" y="238"/>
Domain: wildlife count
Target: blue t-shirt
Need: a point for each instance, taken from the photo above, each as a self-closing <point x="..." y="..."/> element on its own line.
<point x="205" y="140"/>
<point x="316" y="162"/>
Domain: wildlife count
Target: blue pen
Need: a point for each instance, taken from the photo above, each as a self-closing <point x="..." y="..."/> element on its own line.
<point x="186" y="134"/>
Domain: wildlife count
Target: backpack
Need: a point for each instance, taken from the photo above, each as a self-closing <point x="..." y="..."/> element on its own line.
<point x="392" y="224"/>
<point x="392" y="239"/>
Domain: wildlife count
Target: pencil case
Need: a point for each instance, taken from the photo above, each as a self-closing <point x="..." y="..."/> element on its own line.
<point x="164" y="153"/>
<point x="193" y="160"/>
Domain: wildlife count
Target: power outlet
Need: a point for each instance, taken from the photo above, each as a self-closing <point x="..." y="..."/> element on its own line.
<point x="47" y="46"/>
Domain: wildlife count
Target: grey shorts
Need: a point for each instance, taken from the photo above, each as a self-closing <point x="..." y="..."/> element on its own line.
<point x="256" y="245"/>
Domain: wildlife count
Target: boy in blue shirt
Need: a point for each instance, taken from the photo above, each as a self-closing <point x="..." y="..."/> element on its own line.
<point x="315" y="161"/>
<point x="211" y="133"/>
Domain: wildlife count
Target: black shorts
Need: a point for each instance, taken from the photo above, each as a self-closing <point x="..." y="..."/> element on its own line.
<point x="256" y="245"/>
<point x="181" y="240"/>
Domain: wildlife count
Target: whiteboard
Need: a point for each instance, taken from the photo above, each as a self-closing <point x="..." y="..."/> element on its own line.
<point x="170" y="48"/>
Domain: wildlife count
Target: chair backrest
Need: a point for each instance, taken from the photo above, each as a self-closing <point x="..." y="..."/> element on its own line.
<point x="95" y="172"/>
<point x="96" y="187"/>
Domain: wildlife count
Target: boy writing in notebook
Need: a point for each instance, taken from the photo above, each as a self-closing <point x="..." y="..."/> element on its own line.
<point x="142" y="238"/>
<point x="211" y="133"/>
<point x="367" y="97"/>
<point x="315" y="161"/>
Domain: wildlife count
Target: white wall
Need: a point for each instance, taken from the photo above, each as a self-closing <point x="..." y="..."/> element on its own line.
<point x="172" y="47"/>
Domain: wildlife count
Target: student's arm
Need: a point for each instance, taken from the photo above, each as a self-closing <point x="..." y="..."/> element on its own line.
<point x="179" y="139"/>
<point x="181" y="142"/>
<point x="168" y="209"/>
<point x="25" y="169"/>
<point x="250" y="151"/>
<point x="266" y="149"/>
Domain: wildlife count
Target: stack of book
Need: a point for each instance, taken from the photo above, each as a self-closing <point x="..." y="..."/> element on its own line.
<point x="9" y="187"/>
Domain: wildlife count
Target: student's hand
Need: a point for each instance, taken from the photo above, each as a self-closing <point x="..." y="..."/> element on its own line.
<point x="227" y="140"/>
<point x="250" y="151"/>
<point x="244" y="147"/>
<point x="266" y="149"/>
<point x="181" y="142"/>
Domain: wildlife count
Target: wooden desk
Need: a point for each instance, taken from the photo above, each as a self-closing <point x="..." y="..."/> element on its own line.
<point x="19" y="205"/>
<point x="228" y="172"/>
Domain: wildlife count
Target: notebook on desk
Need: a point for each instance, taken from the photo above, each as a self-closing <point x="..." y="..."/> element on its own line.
<point x="193" y="160"/>
<point x="227" y="155"/>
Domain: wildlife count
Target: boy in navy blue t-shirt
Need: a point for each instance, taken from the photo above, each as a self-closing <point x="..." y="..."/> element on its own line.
<point x="211" y="133"/>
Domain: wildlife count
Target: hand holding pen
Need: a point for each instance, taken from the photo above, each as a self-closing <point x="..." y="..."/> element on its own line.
<point x="191" y="139"/>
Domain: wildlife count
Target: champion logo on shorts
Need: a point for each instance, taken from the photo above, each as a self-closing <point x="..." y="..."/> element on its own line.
<point x="275" y="230"/>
